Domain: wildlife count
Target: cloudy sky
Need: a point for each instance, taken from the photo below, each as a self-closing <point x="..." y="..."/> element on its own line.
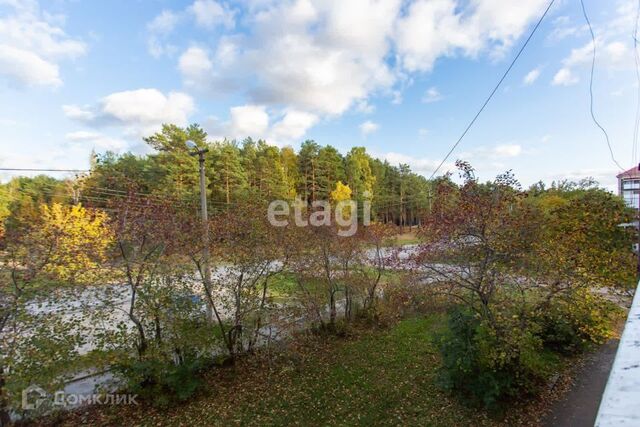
<point x="401" y="77"/>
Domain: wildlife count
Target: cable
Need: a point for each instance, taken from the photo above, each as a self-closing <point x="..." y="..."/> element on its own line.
<point x="123" y="193"/>
<point x="43" y="170"/>
<point x="634" y="149"/>
<point x="593" y="67"/>
<point x="495" y="89"/>
<point x="105" y="195"/>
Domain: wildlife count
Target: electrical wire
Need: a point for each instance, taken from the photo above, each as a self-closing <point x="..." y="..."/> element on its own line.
<point x="593" y="67"/>
<point x="634" y="150"/>
<point x="495" y="89"/>
<point x="42" y="170"/>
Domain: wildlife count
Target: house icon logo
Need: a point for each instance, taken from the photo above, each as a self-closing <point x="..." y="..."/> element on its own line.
<point x="33" y="396"/>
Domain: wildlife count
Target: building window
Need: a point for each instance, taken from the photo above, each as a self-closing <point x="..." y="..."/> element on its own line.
<point x="631" y="198"/>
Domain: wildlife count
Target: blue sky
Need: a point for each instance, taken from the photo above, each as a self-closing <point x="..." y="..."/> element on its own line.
<point x="401" y="77"/>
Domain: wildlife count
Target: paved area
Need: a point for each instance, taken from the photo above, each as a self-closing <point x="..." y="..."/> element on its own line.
<point x="580" y="407"/>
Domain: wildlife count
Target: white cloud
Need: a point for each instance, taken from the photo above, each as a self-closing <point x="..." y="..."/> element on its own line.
<point x="319" y="57"/>
<point x="205" y="13"/>
<point x="279" y="128"/>
<point x="194" y="64"/>
<point x="368" y="127"/>
<point x="396" y="97"/>
<point x="326" y="57"/>
<point x="27" y="67"/>
<point x="363" y="106"/>
<point x="97" y="140"/>
<point x="564" y="77"/>
<point x="605" y="177"/>
<point x="148" y="107"/>
<point x="209" y="13"/>
<point x="564" y="27"/>
<point x="211" y="73"/>
<point x="76" y="112"/>
<point x="431" y="29"/>
<point x="432" y="95"/>
<point x="506" y="150"/>
<point x="249" y="120"/>
<point x="36" y="159"/>
<point x="139" y="112"/>
<point x="164" y="23"/>
<point x="422" y="165"/>
<point x="292" y="126"/>
<point x="616" y="51"/>
<point x="483" y="156"/>
<point x="579" y="56"/>
<point x="32" y="43"/>
<point x="531" y="76"/>
<point x="614" y="47"/>
<point x="159" y="29"/>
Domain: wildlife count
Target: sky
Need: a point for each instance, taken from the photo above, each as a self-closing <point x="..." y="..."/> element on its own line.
<point x="401" y="77"/>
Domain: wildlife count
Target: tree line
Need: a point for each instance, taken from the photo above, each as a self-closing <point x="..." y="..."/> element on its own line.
<point x="250" y="169"/>
<point x="518" y="272"/>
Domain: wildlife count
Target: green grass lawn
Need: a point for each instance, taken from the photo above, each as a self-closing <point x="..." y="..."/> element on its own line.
<point x="283" y="286"/>
<point x="408" y="238"/>
<point x="378" y="377"/>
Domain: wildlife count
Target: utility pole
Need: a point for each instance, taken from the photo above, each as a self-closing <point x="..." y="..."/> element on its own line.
<point x="205" y="224"/>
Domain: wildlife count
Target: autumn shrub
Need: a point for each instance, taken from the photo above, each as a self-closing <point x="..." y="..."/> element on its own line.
<point x="489" y="366"/>
<point x="162" y="360"/>
<point x="163" y="382"/>
<point x="576" y="322"/>
<point x="403" y="297"/>
<point x="491" y="362"/>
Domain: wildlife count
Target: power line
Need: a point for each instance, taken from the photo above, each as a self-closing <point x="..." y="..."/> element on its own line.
<point x="495" y="89"/>
<point x="108" y="194"/>
<point x="42" y="170"/>
<point x="593" y="67"/>
<point x="116" y="192"/>
<point x="634" y="150"/>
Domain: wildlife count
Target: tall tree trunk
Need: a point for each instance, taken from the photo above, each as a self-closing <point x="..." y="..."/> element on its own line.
<point x="260" y="313"/>
<point x="227" y="187"/>
<point x="158" y="331"/>
<point x="347" y="303"/>
<point x="313" y="181"/>
<point x="332" y="308"/>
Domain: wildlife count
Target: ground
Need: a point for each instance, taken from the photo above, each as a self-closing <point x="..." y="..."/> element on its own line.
<point x="374" y="377"/>
<point x="407" y="238"/>
<point x="579" y="407"/>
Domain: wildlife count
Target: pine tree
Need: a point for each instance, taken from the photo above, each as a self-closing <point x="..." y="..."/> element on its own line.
<point x="289" y="160"/>
<point x="359" y="175"/>
<point x="229" y="179"/>
<point x="270" y="171"/>
<point x="249" y="156"/>
<point x="330" y="170"/>
<point x="308" y="166"/>
<point x="181" y="177"/>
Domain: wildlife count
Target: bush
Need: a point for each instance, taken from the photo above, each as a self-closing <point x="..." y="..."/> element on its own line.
<point x="572" y="324"/>
<point x="163" y="382"/>
<point x="403" y="298"/>
<point x="490" y="368"/>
